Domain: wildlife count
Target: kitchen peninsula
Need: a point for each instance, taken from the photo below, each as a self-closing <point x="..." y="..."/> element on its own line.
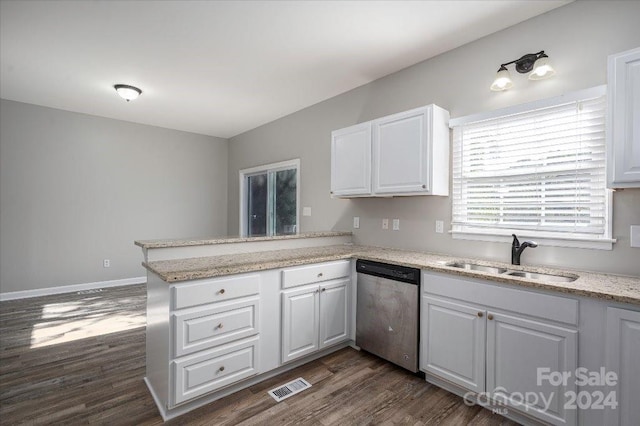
<point x="226" y="313"/>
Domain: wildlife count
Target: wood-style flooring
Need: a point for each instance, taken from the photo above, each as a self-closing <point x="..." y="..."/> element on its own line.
<point x="80" y="359"/>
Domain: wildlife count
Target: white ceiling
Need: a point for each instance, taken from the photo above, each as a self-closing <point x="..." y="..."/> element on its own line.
<point x="221" y="68"/>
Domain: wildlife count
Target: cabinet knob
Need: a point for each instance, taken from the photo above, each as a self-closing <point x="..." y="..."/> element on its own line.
<point x="316" y="291"/>
<point x="424" y="186"/>
<point x="320" y="274"/>
<point x="221" y="291"/>
<point x="219" y="326"/>
<point x="489" y="317"/>
<point x="221" y="368"/>
<point x="480" y="314"/>
<point x="324" y="289"/>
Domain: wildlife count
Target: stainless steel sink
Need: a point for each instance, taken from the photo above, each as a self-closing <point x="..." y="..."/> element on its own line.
<point x="504" y="271"/>
<point x="541" y="277"/>
<point x="476" y="267"/>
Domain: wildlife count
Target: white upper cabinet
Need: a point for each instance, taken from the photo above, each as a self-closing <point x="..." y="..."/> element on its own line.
<point x="404" y="152"/>
<point x="623" y="138"/>
<point x="351" y="160"/>
<point x="407" y="153"/>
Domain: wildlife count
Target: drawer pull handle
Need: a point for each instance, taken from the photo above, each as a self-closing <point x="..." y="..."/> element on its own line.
<point x="221" y="368"/>
<point x="489" y="317"/>
<point x="219" y="326"/>
<point x="320" y="274"/>
<point x="221" y="291"/>
<point x="480" y="314"/>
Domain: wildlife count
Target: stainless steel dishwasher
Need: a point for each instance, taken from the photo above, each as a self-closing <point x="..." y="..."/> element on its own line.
<point x="387" y="312"/>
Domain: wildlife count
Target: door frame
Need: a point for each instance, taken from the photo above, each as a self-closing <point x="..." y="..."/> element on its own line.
<point x="266" y="168"/>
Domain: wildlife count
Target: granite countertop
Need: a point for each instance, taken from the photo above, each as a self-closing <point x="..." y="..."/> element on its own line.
<point x="146" y="244"/>
<point x="601" y="286"/>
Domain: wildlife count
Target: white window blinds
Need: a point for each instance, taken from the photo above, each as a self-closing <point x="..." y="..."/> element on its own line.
<point x="541" y="170"/>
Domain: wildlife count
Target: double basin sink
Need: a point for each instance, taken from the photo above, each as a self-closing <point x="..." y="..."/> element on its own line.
<point x="512" y="273"/>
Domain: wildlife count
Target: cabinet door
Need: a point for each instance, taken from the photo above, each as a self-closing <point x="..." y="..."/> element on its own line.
<point x="623" y="358"/>
<point x="623" y="139"/>
<point x="351" y="160"/>
<point x="516" y="349"/>
<point x="334" y="322"/>
<point x="400" y="152"/>
<point x="300" y="315"/>
<point x="452" y="342"/>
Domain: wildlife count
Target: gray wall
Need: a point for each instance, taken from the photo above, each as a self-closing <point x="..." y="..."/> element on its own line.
<point x="578" y="38"/>
<point x="76" y="189"/>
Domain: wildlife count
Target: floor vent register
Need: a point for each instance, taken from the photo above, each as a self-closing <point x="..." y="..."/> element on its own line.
<point x="285" y="391"/>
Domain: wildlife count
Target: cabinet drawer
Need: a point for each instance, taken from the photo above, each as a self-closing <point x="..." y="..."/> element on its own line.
<point x="199" y="374"/>
<point x="308" y="274"/>
<point x="210" y="291"/>
<point x="545" y="306"/>
<point x="199" y="329"/>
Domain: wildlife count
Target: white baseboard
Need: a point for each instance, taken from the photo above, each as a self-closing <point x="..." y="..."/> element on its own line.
<point x="70" y="288"/>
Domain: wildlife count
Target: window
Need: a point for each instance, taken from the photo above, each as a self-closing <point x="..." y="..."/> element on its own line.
<point x="536" y="170"/>
<point x="269" y="199"/>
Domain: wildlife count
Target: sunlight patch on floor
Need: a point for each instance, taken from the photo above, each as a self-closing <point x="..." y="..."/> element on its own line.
<point x="69" y="321"/>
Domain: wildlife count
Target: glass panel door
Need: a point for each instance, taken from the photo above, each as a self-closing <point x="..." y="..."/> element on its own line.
<point x="257" y="192"/>
<point x="269" y="197"/>
<point x="285" y="202"/>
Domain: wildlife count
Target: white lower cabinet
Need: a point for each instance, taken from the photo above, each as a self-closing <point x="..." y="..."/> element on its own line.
<point x="202" y="336"/>
<point x="207" y="338"/>
<point x="516" y="349"/>
<point x="300" y="326"/>
<point x="315" y="307"/>
<point x="482" y="346"/>
<point x="623" y="359"/>
<point x="314" y="317"/>
<point x="334" y="319"/>
<point x="456" y="336"/>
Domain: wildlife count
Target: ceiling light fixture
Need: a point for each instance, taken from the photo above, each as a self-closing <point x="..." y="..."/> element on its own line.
<point x="128" y="93"/>
<point x="535" y="63"/>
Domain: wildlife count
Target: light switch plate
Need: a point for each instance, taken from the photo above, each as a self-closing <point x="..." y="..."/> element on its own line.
<point x="635" y="236"/>
<point x="356" y="222"/>
<point x="306" y="211"/>
<point x="439" y="226"/>
<point x="396" y="224"/>
<point x="385" y="223"/>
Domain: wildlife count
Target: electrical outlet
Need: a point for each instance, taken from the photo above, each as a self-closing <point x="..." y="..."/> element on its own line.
<point x="306" y="211"/>
<point x="439" y="226"/>
<point x="106" y="263"/>
<point x="385" y="223"/>
<point x="396" y="224"/>
<point x="356" y="222"/>
<point x="635" y="236"/>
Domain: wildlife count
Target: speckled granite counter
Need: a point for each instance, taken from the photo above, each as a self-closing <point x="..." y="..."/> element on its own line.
<point x="228" y="240"/>
<point x="601" y="286"/>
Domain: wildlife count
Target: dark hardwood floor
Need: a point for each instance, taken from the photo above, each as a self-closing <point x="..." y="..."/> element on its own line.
<point x="80" y="359"/>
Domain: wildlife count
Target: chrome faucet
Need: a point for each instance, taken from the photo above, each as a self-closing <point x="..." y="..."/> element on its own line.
<point x="517" y="249"/>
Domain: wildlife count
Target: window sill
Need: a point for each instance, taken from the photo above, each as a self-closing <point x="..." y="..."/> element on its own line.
<point x="542" y="240"/>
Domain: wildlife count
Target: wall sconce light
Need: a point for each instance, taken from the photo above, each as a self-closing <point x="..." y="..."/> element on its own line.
<point x="535" y="63"/>
<point x="128" y="93"/>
